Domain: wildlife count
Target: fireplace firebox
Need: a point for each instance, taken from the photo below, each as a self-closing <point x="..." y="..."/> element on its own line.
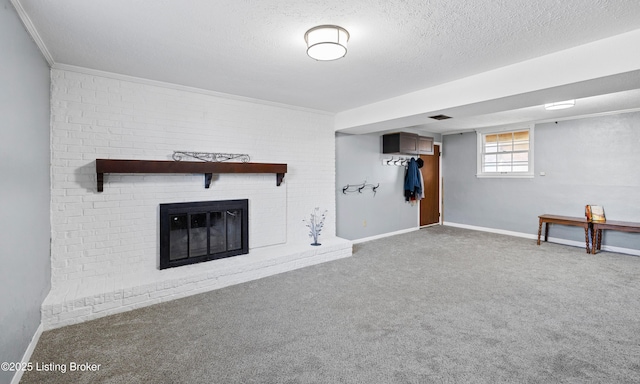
<point x="202" y="231"/>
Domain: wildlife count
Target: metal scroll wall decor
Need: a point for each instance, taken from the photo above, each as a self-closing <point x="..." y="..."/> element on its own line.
<point x="211" y="156"/>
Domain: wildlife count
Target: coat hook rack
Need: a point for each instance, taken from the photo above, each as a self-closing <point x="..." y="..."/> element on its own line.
<point x="360" y="187"/>
<point x="399" y="162"/>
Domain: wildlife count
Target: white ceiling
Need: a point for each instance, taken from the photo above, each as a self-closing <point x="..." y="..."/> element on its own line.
<point x="399" y="50"/>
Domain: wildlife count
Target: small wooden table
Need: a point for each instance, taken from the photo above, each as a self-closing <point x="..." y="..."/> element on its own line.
<point x="622" y="226"/>
<point x="564" y="220"/>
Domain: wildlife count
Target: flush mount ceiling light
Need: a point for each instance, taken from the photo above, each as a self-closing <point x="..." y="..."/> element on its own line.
<point x="560" y="105"/>
<point x="326" y="42"/>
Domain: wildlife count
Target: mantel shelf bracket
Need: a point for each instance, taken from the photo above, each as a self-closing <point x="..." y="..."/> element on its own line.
<point x="163" y="166"/>
<point x="207" y="179"/>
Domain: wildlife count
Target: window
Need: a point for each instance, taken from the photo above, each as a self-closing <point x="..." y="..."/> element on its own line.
<point x="505" y="153"/>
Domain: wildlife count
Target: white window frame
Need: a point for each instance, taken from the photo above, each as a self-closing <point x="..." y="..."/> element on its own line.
<point x="481" y="133"/>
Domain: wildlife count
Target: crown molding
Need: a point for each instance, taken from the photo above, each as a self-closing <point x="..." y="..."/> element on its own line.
<point x="33" y="31"/>
<point x="178" y="87"/>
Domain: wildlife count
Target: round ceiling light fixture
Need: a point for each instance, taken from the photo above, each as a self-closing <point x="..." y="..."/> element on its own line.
<point x="326" y="42"/>
<point x="560" y="105"/>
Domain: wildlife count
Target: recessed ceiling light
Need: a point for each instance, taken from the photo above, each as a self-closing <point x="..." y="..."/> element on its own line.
<point x="560" y="105"/>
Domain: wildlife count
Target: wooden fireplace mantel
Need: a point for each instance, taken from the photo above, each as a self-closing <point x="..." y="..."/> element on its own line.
<point x="167" y="166"/>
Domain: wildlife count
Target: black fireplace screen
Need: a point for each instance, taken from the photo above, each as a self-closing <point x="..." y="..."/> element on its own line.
<point x="202" y="231"/>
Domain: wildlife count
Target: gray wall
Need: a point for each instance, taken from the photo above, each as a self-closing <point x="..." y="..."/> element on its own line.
<point x="359" y="158"/>
<point x="586" y="161"/>
<point x="24" y="189"/>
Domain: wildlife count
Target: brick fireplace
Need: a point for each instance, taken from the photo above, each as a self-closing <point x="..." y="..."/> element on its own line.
<point x="105" y="245"/>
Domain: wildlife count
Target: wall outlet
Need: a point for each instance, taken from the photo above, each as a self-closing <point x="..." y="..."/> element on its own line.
<point x="364" y="223"/>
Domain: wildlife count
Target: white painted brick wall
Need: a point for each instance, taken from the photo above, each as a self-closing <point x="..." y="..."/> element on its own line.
<point x="102" y="240"/>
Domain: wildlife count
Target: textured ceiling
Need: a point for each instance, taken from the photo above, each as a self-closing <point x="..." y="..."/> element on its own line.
<point x="255" y="48"/>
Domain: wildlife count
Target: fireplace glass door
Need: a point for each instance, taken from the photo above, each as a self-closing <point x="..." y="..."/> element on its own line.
<point x="202" y="231"/>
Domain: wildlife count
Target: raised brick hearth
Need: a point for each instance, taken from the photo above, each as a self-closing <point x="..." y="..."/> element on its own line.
<point x="74" y="302"/>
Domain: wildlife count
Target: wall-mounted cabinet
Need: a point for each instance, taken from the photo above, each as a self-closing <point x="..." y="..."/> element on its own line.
<point x="402" y="142"/>
<point x="425" y="145"/>
<point x="407" y="143"/>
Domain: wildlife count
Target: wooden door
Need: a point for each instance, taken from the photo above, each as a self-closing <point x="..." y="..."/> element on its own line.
<point x="430" y="205"/>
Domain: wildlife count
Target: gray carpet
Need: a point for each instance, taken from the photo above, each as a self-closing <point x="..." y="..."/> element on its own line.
<point x="439" y="305"/>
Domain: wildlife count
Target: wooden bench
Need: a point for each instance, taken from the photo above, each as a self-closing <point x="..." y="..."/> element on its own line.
<point x="564" y="220"/>
<point x="596" y="231"/>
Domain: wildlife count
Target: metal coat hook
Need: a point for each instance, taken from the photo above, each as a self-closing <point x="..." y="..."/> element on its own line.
<point x="359" y="188"/>
<point x="401" y="161"/>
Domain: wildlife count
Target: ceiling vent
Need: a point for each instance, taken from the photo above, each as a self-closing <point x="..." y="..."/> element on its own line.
<point x="440" y="117"/>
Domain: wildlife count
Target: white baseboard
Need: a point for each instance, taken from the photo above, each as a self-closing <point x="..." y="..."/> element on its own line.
<point x="628" y="251"/>
<point x="365" y="239"/>
<point x="492" y="230"/>
<point x="573" y="243"/>
<point x="27" y="354"/>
